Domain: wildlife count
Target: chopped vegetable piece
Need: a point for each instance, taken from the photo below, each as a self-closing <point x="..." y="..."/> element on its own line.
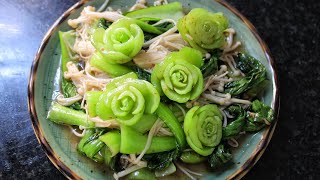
<point x="112" y="139"/>
<point x="169" y="11"/>
<point x="128" y="101"/>
<point x="203" y="128"/>
<point x="202" y="29"/>
<point x="121" y="41"/>
<point x="192" y="157"/>
<point x="141" y="174"/>
<point x="161" y="160"/>
<point x="133" y="142"/>
<point x="67" y="87"/>
<point x="172" y="122"/>
<point x="179" y="76"/>
<point x="219" y="157"/>
<point x="64" y="115"/>
<point x="90" y="145"/>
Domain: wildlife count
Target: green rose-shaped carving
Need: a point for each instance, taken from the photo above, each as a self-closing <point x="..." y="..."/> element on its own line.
<point x="120" y="42"/>
<point x="203" y="128"/>
<point x="202" y="29"/>
<point x="126" y="99"/>
<point x="179" y="76"/>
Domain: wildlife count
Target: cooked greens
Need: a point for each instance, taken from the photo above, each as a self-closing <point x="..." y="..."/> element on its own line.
<point x="202" y="29"/>
<point x="179" y="76"/>
<point x="186" y="108"/>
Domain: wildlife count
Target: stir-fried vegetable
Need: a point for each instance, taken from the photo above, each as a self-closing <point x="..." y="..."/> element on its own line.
<point x="64" y="115"/>
<point x="120" y="42"/>
<point x="211" y="66"/>
<point x="161" y="160"/>
<point x="127" y="99"/>
<point x="219" y="157"/>
<point x="140" y="121"/>
<point x="202" y="29"/>
<point x="179" y="76"/>
<point x="235" y="127"/>
<point x="169" y="11"/>
<point x="203" y="128"/>
<point x="255" y="76"/>
<point x="133" y="142"/>
<point x="192" y="157"/>
<point x="68" y="89"/>
<point x="259" y="116"/>
<point x="99" y="61"/>
<point x="90" y="145"/>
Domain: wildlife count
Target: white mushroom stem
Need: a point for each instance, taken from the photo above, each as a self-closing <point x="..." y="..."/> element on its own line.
<point x="223" y="99"/>
<point x="68" y="101"/>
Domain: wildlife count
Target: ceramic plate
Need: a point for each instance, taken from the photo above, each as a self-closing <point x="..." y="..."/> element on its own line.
<point x="60" y="144"/>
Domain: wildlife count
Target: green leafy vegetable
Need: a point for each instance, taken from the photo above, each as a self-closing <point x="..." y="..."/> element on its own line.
<point x="143" y="74"/>
<point x="68" y="89"/>
<point x="120" y="42"/>
<point x="166" y="171"/>
<point x="102" y="23"/>
<point x="112" y="139"/>
<point x="141" y="174"/>
<point x="179" y="76"/>
<point x="168" y="11"/>
<point x="145" y="123"/>
<point x="172" y="122"/>
<point x="235" y="127"/>
<point x="113" y="162"/>
<point x="203" y="128"/>
<point x="211" y="66"/>
<point x="99" y="61"/>
<point x="202" y="29"/>
<point x="64" y="115"/>
<point x="133" y="142"/>
<point x="127" y="99"/>
<point x="161" y="160"/>
<point x="92" y="98"/>
<point x="90" y="145"/>
<point x="255" y="76"/>
<point x="191" y="157"/>
<point x="259" y="116"/>
<point x="220" y="156"/>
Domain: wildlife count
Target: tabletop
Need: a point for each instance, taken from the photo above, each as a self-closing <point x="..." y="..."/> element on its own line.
<point x="290" y="28"/>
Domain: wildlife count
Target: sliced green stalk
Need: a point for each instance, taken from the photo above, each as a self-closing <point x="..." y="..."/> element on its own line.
<point x="133" y="142"/>
<point x="113" y="70"/>
<point x="147" y="27"/>
<point x="64" y="115"/>
<point x="168" y="11"/>
<point x="191" y="157"/>
<point x="112" y="139"/>
<point x="145" y="123"/>
<point x="166" y="171"/>
<point x="68" y="89"/>
<point x="91" y="146"/>
<point x="172" y="122"/>
<point x="92" y="100"/>
<point x="141" y="174"/>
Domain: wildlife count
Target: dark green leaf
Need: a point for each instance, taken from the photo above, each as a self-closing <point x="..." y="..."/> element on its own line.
<point x="141" y="174"/>
<point x="69" y="90"/>
<point x="157" y="161"/>
<point x="258" y="116"/>
<point x="220" y="156"/>
<point x="255" y="75"/>
<point x="210" y="66"/>
<point x="235" y="127"/>
<point x="90" y="145"/>
<point x="112" y="162"/>
<point x="102" y="23"/>
<point x="142" y="74"/>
